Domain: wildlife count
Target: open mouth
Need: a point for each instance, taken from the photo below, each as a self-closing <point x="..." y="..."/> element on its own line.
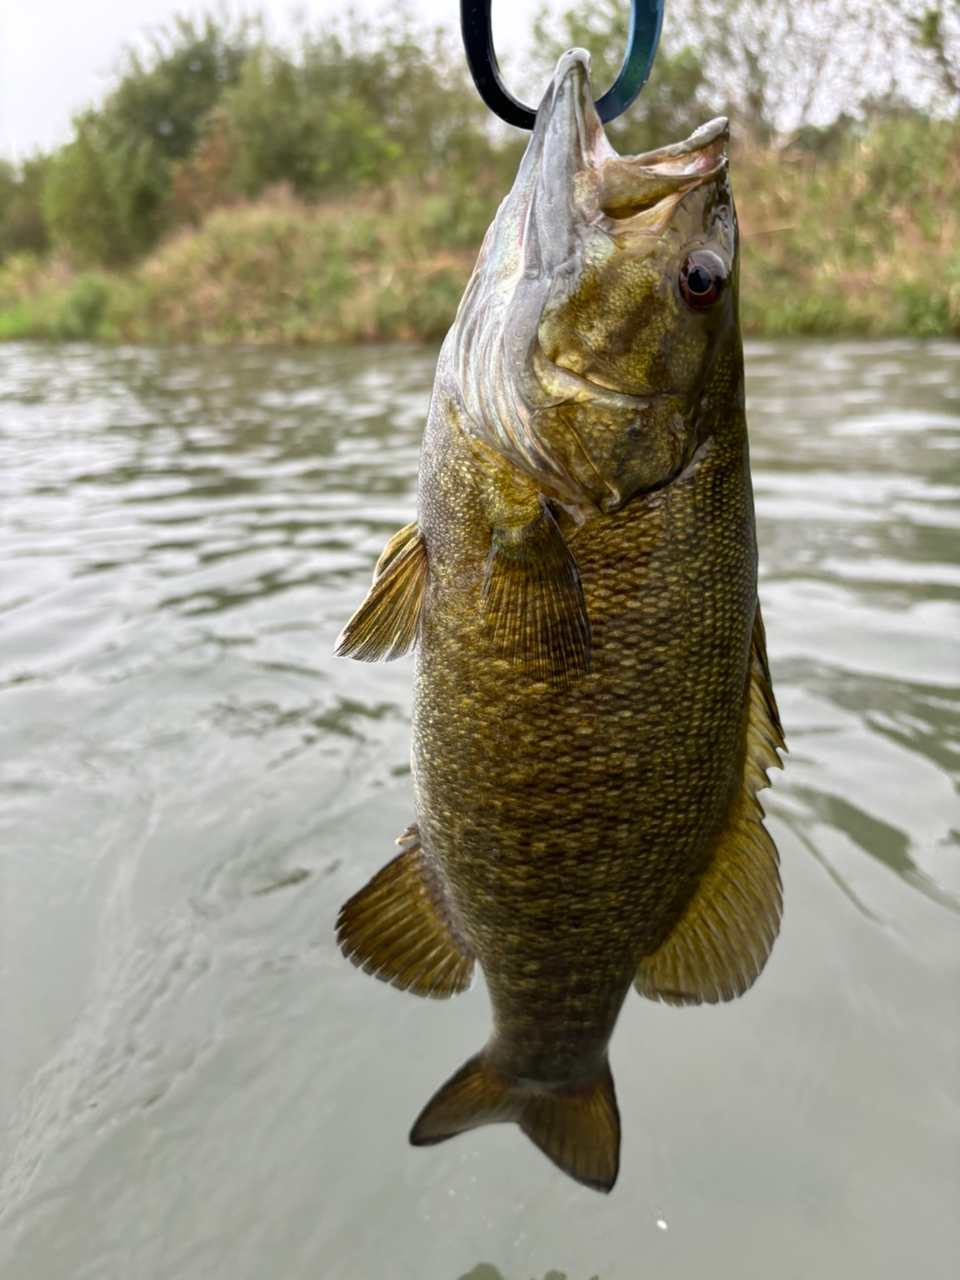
<point x="629" y="184"/>
<point x="623" y="186"/>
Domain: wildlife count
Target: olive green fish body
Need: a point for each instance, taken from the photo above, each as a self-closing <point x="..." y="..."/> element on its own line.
<point x="573" y="824"/>
<point x="593" y="715"/>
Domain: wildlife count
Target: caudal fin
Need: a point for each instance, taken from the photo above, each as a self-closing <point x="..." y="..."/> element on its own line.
<point x="578" y="1127"/>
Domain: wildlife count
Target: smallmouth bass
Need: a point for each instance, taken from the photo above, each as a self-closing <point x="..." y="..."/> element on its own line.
<point x="593" y="713"/>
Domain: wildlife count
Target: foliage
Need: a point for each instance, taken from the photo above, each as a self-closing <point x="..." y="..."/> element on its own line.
<point x="937" y="33"/>
<point x="22" y="225"/>
<point x="337" y="189"/>
<point x="349" y="106"/>
<point x="280" y="270"/>
<point x="780" y="68"/>
<point x="861" y="237"/>
<point x="861" y="241"/>
<point x="213" y="112"/>
<point x="106" y="197"/>
<point x="48" y="300"/>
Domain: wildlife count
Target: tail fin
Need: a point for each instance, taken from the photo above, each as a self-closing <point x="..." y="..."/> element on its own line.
<point x="577" y="1126"/>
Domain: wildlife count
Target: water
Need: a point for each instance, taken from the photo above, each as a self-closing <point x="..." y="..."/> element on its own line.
<point x="194" y="1084"/>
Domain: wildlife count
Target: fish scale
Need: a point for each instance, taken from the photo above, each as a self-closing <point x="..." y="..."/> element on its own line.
<point x="593" y="714"/>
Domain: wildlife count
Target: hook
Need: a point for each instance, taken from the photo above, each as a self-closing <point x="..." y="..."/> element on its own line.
<point x="646" y="19"/>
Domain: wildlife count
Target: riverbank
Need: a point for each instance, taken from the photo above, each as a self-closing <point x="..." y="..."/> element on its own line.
<point x="862" y="241"/>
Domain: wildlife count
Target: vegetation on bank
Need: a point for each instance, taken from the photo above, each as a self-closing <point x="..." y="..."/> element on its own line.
<point x="229" y="190"/>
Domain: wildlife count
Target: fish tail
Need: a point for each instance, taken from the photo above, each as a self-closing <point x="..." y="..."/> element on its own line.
<point x="576" y="1126"/>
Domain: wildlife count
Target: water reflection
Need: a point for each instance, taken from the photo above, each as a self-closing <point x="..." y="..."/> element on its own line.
<point x="190" y="784"/>
<point x="485" y="1271"/>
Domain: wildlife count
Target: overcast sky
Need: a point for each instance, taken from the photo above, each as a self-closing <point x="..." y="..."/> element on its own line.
<point x="57" y="55"/>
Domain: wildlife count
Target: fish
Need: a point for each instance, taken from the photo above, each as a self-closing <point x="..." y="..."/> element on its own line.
<point x="593" y="710"/>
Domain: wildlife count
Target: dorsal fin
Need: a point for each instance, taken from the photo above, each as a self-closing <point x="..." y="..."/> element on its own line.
<point x="386" y="624"/>
<point x="722" y="941"/>
<point x="400" y="927"/>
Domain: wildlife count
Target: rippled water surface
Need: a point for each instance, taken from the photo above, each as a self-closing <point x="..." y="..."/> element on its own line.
<point x="194" y="1084"/>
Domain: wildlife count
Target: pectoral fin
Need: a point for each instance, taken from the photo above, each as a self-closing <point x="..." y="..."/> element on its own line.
<point x="386" y="624"/>
<point x="722" y="941"/>
<point x="576" y="1126"/>
<point x="534" y="601"/>
<point x="400" y="927"/>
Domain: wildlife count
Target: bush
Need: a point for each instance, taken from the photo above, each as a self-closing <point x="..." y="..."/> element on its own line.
<point x="102" y="201"/>
<point x="44" y="300"/>
<point x="211" y="114"/>
<point x="22" y="224"/>
<point x="106" y="198"/>
<point x="82" y="311"/>
<point x="361" y="106"/>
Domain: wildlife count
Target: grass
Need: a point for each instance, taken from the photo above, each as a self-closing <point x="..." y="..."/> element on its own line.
<point x="388" y="267"/>
<point x="862" y="241"/>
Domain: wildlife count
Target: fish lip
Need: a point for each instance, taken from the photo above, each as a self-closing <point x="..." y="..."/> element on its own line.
<point x="710" y="138"/>
<point x="630" y="185"/>
<point x="568" y="107"/>
<point x="573" y="149"/>
<point x="698" y="157"/>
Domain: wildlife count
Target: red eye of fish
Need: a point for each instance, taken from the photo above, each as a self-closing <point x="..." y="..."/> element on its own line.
<point x="702" y="276"/>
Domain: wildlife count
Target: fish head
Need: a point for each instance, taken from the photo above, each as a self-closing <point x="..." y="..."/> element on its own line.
<point x="599" y="338"/>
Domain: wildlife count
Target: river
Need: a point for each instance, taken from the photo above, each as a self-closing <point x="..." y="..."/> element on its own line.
<point x="195" y="1085"/>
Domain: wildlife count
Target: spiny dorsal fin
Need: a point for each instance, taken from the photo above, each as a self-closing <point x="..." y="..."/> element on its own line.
<point x="577" y="1127"/>
<point x="534" y="601"/>
<point x="386" y="624"/>
<point x="399" y="927"/>
<point x="722" y="941"/>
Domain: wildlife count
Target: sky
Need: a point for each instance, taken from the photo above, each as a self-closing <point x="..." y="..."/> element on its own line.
<point x="57" y="55"/>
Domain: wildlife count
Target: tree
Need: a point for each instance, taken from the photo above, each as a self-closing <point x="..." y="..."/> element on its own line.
<point x="107" y="193"/>
<point x="352" y="104"/>
<point x="22" y="225"/>
<point x="783" y="66"/>
<point x="937" y="33"/>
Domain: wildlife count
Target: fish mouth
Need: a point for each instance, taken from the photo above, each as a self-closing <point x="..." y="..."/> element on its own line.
<point x="629" y="185"/>
<point x="606" y="183"/>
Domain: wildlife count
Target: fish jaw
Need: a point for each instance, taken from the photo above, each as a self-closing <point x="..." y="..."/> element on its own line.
<point x="534" y="232"/>
<point x="573" y="353"/>
<point x="492" y="353"/>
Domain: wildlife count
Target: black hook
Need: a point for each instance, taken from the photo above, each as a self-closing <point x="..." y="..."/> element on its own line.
<point x="646" y="19"/>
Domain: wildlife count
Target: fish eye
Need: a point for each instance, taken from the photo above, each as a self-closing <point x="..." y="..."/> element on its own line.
<point x="702" y="277"/>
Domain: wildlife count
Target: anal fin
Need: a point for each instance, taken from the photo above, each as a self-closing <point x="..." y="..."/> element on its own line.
<point x="386" y="624"/>
<point x="534" y="600"/>
<point x="723" y="939"/>
<point x="400" y="928"/>
<point x="576" y="1126"/>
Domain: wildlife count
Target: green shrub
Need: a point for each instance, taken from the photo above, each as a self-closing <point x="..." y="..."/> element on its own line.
<point x="83" y="310"/>
<point x="43" y="300"/>
<point x="106" y="197"/>
<point x="347" y="108"/>
<point x="103" y="201"/>
<point x="360" y="173"/>
<point x="22" y="224"/>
